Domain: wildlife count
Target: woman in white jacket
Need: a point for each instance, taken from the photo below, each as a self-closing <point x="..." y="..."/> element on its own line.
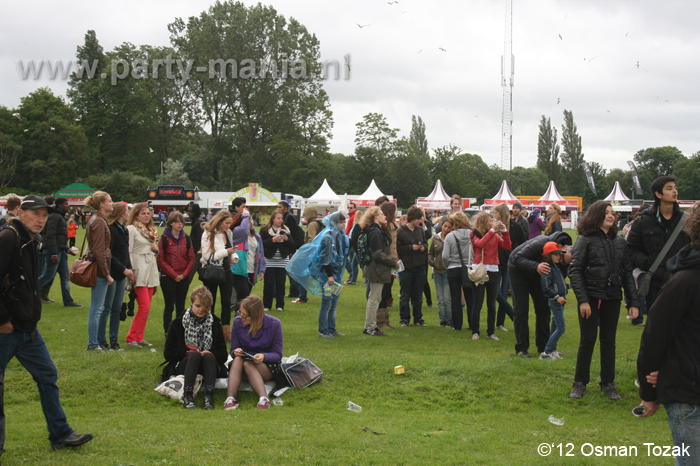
<point x="217" y="248"/>
<point x="143" y="248"/>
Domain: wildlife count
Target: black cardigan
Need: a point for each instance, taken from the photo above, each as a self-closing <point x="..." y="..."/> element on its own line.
<point x="120" y="251"/>
<point x="270" y="247"/>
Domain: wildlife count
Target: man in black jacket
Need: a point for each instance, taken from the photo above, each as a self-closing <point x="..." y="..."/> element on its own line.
<point x="194" y="212"/>
<point x="54" y="252"/>
<point x="20" y="311"/>
<point x="668" y="365"/>
<point x="524" y="267"/>
<point x="650" y="232"/>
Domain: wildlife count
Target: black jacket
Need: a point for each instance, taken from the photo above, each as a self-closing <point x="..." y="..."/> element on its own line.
<point x="55" y="233"/>
<point x="196" y="234"/>
<point x="119" y="246"/>
<point x="600" y="268"/>
<point x="671" y="335"/>
<point x="517" y="237"/>
<point x="526" y="257"/>
<point x="648" y="236"/>
<point x="405" y="239"/>
<point x="379" y="242"/>
<point x="20" y="301"/>
<point x="175" y="350"/>
<point x="270" y="247"/>
<point x="553" y="284"/>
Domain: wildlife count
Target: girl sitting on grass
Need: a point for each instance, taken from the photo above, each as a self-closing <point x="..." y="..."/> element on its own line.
<point x="554" y="289"/>
<point x="256" y="348"/>
<point x="195" y="345"/>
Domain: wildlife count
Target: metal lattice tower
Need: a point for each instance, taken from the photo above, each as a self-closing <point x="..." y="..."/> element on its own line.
<point x="507" y="72"/>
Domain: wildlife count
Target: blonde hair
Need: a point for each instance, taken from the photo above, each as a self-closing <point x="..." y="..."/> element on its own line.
<point x="136" y="211"/>
<point x="481" y="222"/>
<point x="204" y="296"/>
<point x="369" y="217"/>
<point x="213" y="225"/>
<point x="556" y="216"/>
<point x="116" y="213"/>
<point x="459" y="220"/>
<point x="254" y="306"/>
<point x="503" y="213"/>
<point x="358" y="216"/>
<point x="97" y="198"/>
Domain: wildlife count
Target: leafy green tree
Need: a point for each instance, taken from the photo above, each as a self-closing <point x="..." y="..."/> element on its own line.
<point x="374" y="131"/>
<point x="418" y="140"/>
<point x="529" y="181"/>
<point x="548" y="150"/>
<point x="408" y="173"/>
<point x="54" y="148"/>
<point x="264" y="87"/>
<point x="654" y="162"/>
<point x="441" y="160"/>
<point x="173" y="174"/>
<point x="572" y="158"/>
<point x="687" y="174"/>
<point x="121" y="185"/>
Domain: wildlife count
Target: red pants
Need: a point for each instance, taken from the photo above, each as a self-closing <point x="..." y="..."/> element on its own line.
<point x="144" y="295"/>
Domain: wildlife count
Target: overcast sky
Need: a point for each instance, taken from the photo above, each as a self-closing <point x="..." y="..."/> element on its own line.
<point x="627" y="69"/>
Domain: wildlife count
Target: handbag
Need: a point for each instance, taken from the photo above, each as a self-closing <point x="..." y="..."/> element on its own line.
<point x="644" y="279"/>
<point x="478" y="274"/>
<point x="83" y="271"/>
<point x="211" y="274"/>
<point x="301" y="373"/>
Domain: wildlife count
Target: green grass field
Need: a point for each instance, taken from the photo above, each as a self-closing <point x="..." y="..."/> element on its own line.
<point x="459" y="402"/>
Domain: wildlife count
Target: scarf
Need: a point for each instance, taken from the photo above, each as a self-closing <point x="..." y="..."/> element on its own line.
<point x="282" y="230"/>
<point x="149" y="234"/>
<point x="198" y="330"/>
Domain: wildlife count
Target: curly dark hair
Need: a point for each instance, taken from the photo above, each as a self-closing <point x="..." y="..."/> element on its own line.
<point x="591" y="222"/>
<point x="692" y="226"/>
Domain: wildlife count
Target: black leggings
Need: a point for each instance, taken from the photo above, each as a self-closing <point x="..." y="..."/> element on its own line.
<point x="197" y="363"/>
<point x="226" y="289"/>
<point x="174" y="295"/>
<point x="242" y="287"/>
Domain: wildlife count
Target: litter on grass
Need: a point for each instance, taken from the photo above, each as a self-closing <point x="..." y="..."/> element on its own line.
<point x="354" y="407"/>
<point x="371" y="431"/>
<point x="555" y="421"/>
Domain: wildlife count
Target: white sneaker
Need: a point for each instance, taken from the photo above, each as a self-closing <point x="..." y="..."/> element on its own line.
<point x="133" y="344"/>
<point x="494" y="337"/>
<point x="557" y="355"/>
<point x="502" y="328"/>
<point x="475" y="336"/>
<point x="267" y="309"/>
<point x="280" y="309"/>
<point x="230" y="403"/>
<point x="547" y="356"/>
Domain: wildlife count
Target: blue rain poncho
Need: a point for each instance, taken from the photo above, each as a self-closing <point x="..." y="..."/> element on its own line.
<point x="328" y="248"/>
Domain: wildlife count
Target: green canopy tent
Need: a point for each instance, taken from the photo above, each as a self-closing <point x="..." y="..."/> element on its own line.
<point x="75" y="193"/>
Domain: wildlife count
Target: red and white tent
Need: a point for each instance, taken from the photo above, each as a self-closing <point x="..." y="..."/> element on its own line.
<point x="368" y="197"/>
<point x="617" y="194"/>
<point x="437" y="200"/>
<point x="325" y="196"/>
<point x="552" y="195"/>
<point x="504" y="196"/>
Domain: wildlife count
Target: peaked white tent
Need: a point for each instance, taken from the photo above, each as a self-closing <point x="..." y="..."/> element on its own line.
<point x="368" y="197"/>
<point x="504" y="196"/>
<point x="617" y="194"/>
<point x="325" y="196"/>
<point x="552" y="195"/>
<point x="436" y="200"/>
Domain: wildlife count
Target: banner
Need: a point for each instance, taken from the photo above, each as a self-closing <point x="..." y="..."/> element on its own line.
<point x="635" y="178"/>
<point x="589" y="176"/>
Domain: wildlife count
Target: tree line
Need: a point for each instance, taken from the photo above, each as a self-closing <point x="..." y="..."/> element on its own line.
<point x="221" y="131"/>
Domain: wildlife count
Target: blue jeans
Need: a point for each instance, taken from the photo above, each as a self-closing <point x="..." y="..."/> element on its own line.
<point x="326" y="316"/>
<point x="352" y="265"/>
<point x="97" y="309"/>
<point x="30" y="350"/>
<point x="442" y="290"/>
<point x="504" y="307"/>
<point x="49" y="273"/>
<point x="303" y="294"/>
<point x="113" y="307"/>
<point x="558" y="325"/>
<point x="412" y="282"/>
<point x="684" y="421"/>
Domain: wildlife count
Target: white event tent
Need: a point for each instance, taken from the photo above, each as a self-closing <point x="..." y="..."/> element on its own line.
<point x="504" y="196"/>
<point x="436" y="200"/>
<point x="325" y="196"/>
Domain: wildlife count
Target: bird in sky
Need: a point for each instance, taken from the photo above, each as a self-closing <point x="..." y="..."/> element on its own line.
<point x="561" y="37"/>
<point x="52" y="128"/>
<point x="361" y="25"/>
<point x="393" y="3"/>
<point x="26" y="130"/>
<point x="558" y="100"/>
<point x="442" y="49"/>
<point x="17" y="115"/>
<point x="100" y="135"/>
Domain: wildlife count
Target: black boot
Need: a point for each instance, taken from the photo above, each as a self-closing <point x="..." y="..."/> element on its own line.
<point x="209" y="397"/>
<point x="188" y="398"/>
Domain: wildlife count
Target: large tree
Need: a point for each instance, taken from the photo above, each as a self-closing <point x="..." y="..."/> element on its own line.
<point x="687" y="174"/>
<point x="572" y="158"/>
<point x="262" y="96"/>
<point x="548" y="150"/>
<point x="654" y="162"/>
<point x="417" y="139"/>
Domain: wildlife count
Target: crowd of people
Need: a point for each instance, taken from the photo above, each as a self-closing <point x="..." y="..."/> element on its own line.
<point x="477" y="263"/>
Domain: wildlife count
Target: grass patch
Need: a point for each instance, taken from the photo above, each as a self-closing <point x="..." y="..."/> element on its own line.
<point x="459" y="402"/>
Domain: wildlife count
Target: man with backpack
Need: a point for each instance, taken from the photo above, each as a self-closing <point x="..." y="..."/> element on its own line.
<point x="20" y="311"/>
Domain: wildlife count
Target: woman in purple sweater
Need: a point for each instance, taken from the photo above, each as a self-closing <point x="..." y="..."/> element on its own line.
<point x="256" y="347"/>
